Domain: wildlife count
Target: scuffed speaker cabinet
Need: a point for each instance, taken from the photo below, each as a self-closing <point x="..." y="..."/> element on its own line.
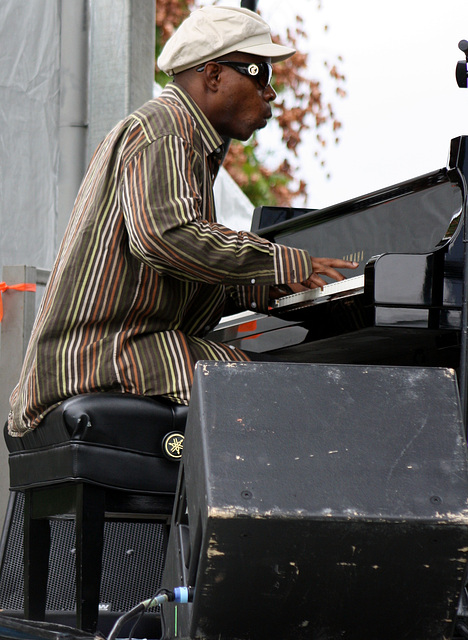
<point x="321" y="502"/>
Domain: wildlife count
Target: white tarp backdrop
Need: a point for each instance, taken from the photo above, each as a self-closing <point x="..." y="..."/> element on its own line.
<point x="29" y="123"/>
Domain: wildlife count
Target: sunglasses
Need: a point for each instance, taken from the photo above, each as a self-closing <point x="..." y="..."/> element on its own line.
<point x="259" y="71"/>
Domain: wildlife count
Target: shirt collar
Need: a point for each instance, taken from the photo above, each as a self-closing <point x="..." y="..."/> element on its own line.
<point x="212" y="141"/>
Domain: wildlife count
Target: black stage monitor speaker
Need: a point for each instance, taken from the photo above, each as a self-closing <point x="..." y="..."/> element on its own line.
<point x="133" y="561"/>
<point x="320" y="501"/>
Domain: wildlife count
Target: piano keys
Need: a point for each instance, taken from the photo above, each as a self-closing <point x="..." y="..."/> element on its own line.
<point x="331" y="291"/>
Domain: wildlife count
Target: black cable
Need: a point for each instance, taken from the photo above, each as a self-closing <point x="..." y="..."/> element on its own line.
<point x="162" y="618"/>
<point x="162" y="614"/>
<point x="162" y="595"/>
<point x="180" y="594"/>
<point x="136" y="623"/>
<point x="139" y="609"/>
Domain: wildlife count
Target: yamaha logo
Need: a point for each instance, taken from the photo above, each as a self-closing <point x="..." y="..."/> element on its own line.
<point x="173" y="445"/>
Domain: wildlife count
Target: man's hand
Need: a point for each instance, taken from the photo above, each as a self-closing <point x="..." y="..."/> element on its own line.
<point x="327" y="267"/>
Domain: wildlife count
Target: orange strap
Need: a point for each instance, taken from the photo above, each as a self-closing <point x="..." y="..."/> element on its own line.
<point x="16" y="287"/>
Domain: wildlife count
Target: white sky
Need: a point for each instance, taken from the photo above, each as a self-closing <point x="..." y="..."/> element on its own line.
<point x="403" y="104"/>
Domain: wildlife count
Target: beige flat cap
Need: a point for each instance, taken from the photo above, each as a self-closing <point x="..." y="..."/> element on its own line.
<point x="211" y="32"/>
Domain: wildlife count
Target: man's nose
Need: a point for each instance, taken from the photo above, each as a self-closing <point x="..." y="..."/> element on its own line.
<point x="269" y="93"/>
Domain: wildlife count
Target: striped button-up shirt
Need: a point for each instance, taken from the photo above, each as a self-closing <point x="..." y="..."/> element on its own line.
<point x="144" y="269"/>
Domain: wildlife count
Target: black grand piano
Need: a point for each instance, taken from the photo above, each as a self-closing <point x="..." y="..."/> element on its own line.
<point x="404" y="305"/>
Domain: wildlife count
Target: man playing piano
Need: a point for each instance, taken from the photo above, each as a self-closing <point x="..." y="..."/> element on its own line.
<point x="144" y="270"/>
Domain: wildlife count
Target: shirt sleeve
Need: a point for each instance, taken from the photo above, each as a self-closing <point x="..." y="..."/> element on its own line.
<point x="163" y="206"/>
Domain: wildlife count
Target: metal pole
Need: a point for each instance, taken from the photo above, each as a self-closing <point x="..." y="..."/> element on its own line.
<point x="249" y="4"/>
<point x="459" y="161"/>
<point x="73" y="107"/>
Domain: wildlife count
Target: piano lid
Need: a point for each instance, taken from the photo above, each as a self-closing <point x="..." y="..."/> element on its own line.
<point x="412" y="217"/>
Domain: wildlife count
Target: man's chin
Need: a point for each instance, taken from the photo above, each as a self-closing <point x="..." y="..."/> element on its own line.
<point x="263" y="123"/>
<point x="243" y="137"/>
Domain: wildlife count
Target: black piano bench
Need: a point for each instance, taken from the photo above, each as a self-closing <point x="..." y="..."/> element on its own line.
<point x="94" y="457"/>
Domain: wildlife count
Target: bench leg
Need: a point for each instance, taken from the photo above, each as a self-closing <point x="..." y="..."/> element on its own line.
<point x="36" y="562"/>
<point x="90" y="510"/>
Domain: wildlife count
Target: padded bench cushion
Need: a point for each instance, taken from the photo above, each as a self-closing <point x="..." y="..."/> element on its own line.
<point x="131" y="422"/>
<point x="109" y="439"/>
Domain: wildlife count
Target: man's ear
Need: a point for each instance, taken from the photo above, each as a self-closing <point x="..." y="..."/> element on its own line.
<point x="212" y="75"/>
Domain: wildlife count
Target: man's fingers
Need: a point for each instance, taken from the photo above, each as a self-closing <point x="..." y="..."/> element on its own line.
<point x="314" y="281"/>
<point x="321" y="264"/>
<point x="327" y="267"/>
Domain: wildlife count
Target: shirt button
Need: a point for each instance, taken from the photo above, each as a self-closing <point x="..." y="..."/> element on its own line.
<point x="252" y="281"/>
<point x="253" y="305"/>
